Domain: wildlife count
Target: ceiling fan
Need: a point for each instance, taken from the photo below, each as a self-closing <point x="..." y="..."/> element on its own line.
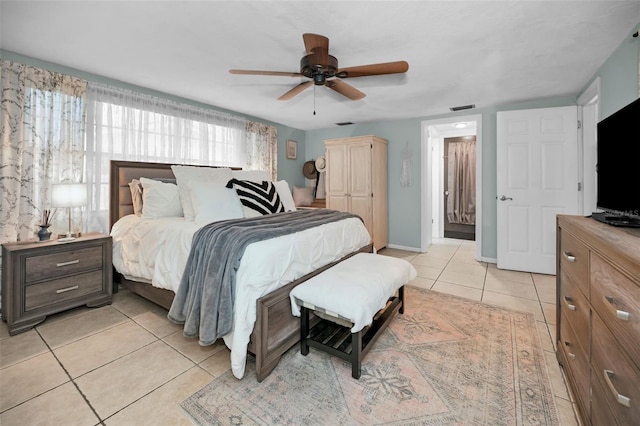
<point x="323" y="70"/>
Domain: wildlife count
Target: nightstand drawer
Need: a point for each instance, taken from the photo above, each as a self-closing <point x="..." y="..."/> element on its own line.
<point x="55" y="291"/>
<point x="63" y="263"/>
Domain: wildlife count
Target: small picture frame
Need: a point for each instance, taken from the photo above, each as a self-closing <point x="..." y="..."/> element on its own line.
<point x="292" y="149"/>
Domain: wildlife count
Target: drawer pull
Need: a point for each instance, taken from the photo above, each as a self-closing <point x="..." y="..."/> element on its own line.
<point x="569" y="305"/>
<point x="569" y="256"/>
<point x="71" y="262"/>
<point x="624" y="316"/>
<point x="622" y="400"/>
<point x="66" y="289"/>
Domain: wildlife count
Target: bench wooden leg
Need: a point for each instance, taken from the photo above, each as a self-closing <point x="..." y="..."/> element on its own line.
<point x="401" y="296"/>
<point x="304" y="330"/>
<point x="356" y="354"/>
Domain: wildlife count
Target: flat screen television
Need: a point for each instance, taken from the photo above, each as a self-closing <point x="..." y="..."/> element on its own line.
<point x="618" y="167"/>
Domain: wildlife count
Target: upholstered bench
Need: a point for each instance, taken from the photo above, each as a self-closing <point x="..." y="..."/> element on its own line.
<point x="352" y="302"/>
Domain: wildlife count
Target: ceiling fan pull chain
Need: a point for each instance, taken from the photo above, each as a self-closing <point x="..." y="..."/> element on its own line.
<point x="314" y="99"/>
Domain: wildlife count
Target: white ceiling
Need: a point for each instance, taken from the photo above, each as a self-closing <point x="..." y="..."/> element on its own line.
<point x="485" y="53"/>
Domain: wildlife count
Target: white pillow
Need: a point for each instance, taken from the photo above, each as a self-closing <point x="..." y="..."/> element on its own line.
<point x="212" y="203"/>
<point x="285" y="195"/>
<point x="186" y="174"/>
<point x="251" y="175"/>
<point x="302" y="197"/>
<point x="160" y="199"/>
<point x="136" y="196"/>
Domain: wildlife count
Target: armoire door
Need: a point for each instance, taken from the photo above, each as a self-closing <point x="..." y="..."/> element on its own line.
<point x="359" y="178"/>
<point x="336" y="182"/>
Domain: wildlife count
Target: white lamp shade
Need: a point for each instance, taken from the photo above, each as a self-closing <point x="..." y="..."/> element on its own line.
<point x="68" y="195"/>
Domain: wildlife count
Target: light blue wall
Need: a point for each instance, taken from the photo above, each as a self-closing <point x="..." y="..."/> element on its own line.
<point x="404" y="202"/>
<point x="619" y="76"/>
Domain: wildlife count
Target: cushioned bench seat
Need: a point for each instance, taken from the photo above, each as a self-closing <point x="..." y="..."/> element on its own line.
<point x="354" y="302"/>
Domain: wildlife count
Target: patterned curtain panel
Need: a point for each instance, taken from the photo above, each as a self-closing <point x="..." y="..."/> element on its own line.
<point x="127" y="125"/>
<point x="42" y="134"/>
<point x="461" y="202"/>
<point x="262" y="148"/>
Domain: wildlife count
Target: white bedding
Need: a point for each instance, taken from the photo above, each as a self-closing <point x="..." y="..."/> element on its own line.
<point x="156" y="250"/>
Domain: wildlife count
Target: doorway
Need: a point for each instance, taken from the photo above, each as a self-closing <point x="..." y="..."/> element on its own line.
<point x="432" y="194"/>
<point x="459" y="167"/>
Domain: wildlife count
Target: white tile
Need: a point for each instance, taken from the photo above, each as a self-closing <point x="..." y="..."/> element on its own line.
<point x="60" y="406"/>
<point x="24" y="380"/>
<point x="420" y="282"/>
<point x="505" y="274"/>
<point x="515" y="303"/>
<point x="21" y="347"/>
<point x="458" y="290"/>
<point x="428" y="272"/>
<point x="429" y="260"/>
<point x="101" y="348"/>
<point x="512" y="288"/>
<point x="125" y="380"/>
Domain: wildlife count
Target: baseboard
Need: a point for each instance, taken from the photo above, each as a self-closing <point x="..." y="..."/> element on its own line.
<point x="399" y="247"/>
<point x="489" y="260"/>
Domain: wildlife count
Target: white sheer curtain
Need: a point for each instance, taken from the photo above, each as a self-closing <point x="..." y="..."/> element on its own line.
<point x="126" y="125"/>
<point x="262" y="148"/>
<point x="42" y="128"/>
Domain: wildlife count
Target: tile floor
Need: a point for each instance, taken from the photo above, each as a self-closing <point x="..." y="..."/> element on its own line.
<point x="126" y="364"/>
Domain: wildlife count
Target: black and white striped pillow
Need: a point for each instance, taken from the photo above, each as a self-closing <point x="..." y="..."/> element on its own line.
<point x="257" y="198"/>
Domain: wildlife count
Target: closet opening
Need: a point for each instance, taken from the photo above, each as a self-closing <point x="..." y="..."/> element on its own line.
<point x="452" y="180"/>
<point x="459" y="178"/>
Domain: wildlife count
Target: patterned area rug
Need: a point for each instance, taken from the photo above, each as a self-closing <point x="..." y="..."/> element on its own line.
<point x="447" y="360"/>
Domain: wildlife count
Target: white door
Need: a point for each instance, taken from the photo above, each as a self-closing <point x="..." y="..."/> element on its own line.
<point x="537" y="179"/>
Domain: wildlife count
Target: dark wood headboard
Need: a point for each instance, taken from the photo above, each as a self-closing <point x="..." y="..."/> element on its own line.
<point x="123" y="172"/>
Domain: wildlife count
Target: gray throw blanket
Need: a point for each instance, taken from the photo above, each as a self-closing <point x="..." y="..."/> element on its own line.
<point x="204" y="301"/>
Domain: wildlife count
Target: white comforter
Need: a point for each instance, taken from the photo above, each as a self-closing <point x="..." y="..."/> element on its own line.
<point x="156" y="250"/>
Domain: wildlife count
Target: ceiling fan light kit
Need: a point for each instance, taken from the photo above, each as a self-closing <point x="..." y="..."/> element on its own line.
<point x="322" y="70"/>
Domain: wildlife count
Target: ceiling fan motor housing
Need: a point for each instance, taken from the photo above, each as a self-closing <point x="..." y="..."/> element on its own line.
<point x="312" y="67"/>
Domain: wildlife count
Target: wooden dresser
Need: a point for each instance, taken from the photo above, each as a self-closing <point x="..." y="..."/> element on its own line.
<point x="598" y="318"/>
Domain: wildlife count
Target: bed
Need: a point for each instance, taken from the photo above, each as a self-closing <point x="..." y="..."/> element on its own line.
<point x="274" y="330"/>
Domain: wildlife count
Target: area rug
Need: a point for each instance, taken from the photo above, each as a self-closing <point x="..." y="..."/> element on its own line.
<point x="447" y="360"/>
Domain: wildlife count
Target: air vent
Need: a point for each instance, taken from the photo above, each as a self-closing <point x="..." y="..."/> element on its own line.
<point x="462" y="107"/>
<point x="344" y="123"/>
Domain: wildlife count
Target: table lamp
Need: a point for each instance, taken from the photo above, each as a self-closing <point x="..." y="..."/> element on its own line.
<point x="69" y="195"/>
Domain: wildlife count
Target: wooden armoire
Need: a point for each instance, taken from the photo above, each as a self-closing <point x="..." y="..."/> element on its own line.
<point x="356" y="182"/>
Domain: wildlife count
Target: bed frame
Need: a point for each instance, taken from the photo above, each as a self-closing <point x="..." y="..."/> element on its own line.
<point x="275" y="330"/>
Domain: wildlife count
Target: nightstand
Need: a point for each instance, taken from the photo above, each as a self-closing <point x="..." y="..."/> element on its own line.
<point x="43" y="278"/>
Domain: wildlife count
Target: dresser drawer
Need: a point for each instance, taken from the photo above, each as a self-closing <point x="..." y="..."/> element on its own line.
<point x="618" y="374"/>
<point x="601" y="413"/>
<point x="62" y="289"/>
<point x="576" y="362"/>
<point x="617" y="300"/>
<point x="575" y="310"/>
<point x="574" y="260"/>
<point x="59" y="264"/>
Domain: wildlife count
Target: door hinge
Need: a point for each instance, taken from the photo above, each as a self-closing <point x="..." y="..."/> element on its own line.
<point x="579" y="186"/>
<point x="579" y="124"/>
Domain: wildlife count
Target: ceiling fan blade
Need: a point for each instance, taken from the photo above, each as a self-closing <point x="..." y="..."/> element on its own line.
<point x="315" y="41"/>
<point x="345" y="89"/>
<point x="275" y="73"/>
<point x="296" y="90"/>
<point x="374" y="69"/>
<point x="318" y="45"/>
